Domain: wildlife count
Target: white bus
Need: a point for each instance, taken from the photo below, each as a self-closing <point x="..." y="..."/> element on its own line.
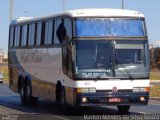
<point x="86" y="57"/>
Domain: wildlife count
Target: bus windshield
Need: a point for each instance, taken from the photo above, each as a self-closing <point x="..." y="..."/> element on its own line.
<point x="106" y="59"/>
<point x="100" y="27"/>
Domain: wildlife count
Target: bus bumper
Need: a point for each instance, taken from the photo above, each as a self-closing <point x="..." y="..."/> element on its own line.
<point x="112" y="98"/>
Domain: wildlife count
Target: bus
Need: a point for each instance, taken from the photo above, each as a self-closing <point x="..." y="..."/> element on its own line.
<point x="84" y="57"/>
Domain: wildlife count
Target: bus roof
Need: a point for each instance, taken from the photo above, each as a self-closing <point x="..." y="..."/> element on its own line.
<point x="99" y="12"/>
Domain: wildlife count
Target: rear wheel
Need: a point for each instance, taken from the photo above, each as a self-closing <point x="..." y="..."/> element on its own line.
<point x="123" y="108"/>
<point x="30" y="99"/>
<point x="23" y="93"/>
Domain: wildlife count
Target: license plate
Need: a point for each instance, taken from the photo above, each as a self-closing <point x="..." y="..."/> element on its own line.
<point x="114" y="99"/>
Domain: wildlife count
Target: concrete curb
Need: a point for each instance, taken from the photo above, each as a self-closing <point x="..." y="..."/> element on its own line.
<point x="154" y="80"/>
<point x="154" y="98"/>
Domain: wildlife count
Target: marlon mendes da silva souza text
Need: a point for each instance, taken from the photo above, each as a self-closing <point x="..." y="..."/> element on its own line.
<point x="122" y="117"/>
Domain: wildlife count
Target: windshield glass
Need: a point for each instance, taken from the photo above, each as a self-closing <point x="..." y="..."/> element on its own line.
<point x="131" y="58"/>
<point x="99" y="27"/>
<point x="107" y="59"/>
<point x="92" y="57"/>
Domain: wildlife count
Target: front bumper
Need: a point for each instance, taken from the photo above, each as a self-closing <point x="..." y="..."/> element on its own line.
<point x="100" y="99"/>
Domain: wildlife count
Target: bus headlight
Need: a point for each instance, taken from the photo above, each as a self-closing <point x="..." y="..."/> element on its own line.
<point x="86" y="90"/>
<point x="141" y="89"/>
<point x="135" y="89"/>
<point x="91" y="90"/>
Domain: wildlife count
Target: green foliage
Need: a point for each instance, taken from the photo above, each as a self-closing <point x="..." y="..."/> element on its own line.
<point x="155" y="75"/>
<point x="4" y="70"/>
<point x="155" y="58"/>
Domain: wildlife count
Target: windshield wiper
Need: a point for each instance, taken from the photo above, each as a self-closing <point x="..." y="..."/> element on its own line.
<point x="130" y="76"/>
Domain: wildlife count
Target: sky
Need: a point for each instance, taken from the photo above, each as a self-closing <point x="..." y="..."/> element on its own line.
<point x="35" y="8"/>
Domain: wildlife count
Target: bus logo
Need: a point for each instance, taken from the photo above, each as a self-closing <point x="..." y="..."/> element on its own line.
<point x="114" y="89"/>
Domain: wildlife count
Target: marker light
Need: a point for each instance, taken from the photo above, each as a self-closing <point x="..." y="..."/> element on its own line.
<point x="86" y="90"/>
<point x="141" y="89"/>
<point x="142" y="98"/>
<point x="84" y="99"/>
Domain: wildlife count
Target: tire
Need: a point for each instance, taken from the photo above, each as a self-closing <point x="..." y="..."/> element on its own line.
<point x="60" y="95"/>
<point x="23" y="92"/>
<point x="123" y="108"/>
<point x="29" y="98"/>
<point x="61" y="99"/>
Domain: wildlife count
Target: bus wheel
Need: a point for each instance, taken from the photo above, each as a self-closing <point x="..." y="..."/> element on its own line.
<point x="23" y="93"/>
<point x="63" y="106"/>
<point x="123" y="108"/>
<point x="30" y="99"/>
<point x="60" y="95"/>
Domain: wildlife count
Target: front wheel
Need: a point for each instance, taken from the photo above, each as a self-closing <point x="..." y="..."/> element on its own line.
<point x="61" y="96"/>
<point x="61" y="99"/>
<point x="123" y="108"/>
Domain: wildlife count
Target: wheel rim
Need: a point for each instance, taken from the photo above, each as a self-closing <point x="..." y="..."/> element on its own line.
<point x="22" y="92"/>
<point x="28" y="91"/>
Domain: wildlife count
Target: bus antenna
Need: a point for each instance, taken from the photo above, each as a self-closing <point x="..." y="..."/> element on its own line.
<point x="63" y="3"/>
<point x="122" y="4"/>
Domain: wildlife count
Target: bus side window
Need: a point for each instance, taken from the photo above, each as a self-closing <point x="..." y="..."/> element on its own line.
<point x="38" y="33"/>
<point x="17" y="36"/>
<point x="68" y="27"/>
<point x="31" y="37"/>
<point x="11" y="36"/>
<point x="58" y="34"/>
<point x="49" y="32"/>
<point x="24" y="35"/>
<point x="67" y="50"/>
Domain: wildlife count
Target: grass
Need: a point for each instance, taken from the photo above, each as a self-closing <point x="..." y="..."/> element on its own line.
<point x="155" y="91"/>
<point x="155" y="75"/>
<point x="4" y="70"/>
